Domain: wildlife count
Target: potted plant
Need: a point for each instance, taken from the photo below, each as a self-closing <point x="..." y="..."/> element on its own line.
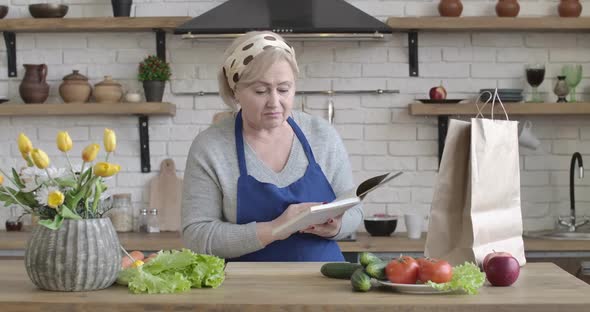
<point x="154" y="72"/>
<point x="73" y="248"/>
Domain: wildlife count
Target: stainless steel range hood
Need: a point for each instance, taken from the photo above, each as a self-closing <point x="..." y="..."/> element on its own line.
<point x="293" y="19"/>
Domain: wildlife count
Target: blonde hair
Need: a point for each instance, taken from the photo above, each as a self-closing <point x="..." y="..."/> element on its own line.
<point x="255" y="69"/>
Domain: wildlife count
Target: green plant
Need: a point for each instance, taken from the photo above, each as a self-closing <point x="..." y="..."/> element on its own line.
<point x="154" y="68"/>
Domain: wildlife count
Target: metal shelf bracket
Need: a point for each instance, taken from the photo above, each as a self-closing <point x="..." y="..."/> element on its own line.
<point x="443" y="125"/>
<point x="144" y="143"/>
<point x="413" y="53"/>
<point x="10" y="40"/>
<point x="161" y="44"/>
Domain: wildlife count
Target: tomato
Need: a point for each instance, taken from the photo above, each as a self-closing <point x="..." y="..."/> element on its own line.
<point x="438" y="271"/>
<point x="403" y="270"/>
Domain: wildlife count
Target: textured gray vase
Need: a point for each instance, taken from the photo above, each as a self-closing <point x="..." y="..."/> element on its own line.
<point x="82" y="255"/>
<point x="154" y="90"/>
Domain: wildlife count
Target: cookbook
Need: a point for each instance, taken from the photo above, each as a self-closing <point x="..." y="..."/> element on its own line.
<point x="322" y="213"/>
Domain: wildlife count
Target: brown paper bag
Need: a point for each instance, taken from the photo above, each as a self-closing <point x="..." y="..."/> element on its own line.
<point x="476" y="204"/>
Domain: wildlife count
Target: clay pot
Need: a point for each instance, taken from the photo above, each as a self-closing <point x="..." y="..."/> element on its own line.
<point x="34" y="88"/>
<point x="108" y="91"/>
<point x="450" y="8"/>
<point x="75" y="88"/>
<point x="507" y="8"/>
<point x="569" y="8"/>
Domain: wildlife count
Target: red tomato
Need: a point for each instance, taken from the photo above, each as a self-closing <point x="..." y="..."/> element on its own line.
<point x="438" y="271"/>
<point x="403" y="270"/>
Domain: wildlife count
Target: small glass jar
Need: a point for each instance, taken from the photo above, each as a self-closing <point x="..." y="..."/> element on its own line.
<point x="561" y="89"/>
<point x="153" y="223"/>
<point x="143" y="221"/>
<point x="121" y="213"/>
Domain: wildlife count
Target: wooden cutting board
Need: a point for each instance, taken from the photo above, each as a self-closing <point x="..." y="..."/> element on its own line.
<point x="165" y="195"/>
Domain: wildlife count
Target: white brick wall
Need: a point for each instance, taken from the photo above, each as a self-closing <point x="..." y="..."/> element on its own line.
<point x="377" y="130"/>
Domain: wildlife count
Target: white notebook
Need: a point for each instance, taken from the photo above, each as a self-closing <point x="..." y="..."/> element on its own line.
<point x="322" y="213"/>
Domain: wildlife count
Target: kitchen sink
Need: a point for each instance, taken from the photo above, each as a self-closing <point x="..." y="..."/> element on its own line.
<point x="558" y="235"/>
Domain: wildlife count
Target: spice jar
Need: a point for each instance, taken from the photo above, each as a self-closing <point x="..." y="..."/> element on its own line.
<point x="143" y="221"/>
<point x="153" y="225"/>
<point x="121" y="213"/>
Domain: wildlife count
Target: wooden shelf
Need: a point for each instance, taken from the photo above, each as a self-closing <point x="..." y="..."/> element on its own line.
<point x="419" y="109"/>
<point x="94" y="24"/>
<point x="147" y="108"/>
<point x="489" y="23"/>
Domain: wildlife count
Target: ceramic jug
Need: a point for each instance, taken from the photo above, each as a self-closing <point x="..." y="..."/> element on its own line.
<point x="34" y="88"/>
<point x="569" y="8"/>
<point x="450" y="8"/>
<point x="507" y="8"/>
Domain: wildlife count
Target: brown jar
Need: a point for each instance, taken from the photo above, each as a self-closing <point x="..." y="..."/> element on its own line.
<point x="507" y="8"/>
<point x="569" y="8"/>
<point x="75" y="88"/>
<point x="108" y="91"/>
<point x="450" y="8"/>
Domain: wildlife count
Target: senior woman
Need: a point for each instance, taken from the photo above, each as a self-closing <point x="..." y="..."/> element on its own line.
<point x="251" y="173"/>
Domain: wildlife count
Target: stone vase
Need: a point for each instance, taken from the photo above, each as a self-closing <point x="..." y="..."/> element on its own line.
<point x="569" y="8"/>
<point x="81" y="255"/>
<point x="507" y="8"/>
<point x="154" y="90"/>
<point x="450" y="8"/>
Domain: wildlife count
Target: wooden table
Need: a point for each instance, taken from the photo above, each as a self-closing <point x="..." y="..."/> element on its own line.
<point x="364" y="242"/>
<point x="300" y="287"/>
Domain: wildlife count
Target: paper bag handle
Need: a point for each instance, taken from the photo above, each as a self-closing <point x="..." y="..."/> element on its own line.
<point x="493" y="99"/>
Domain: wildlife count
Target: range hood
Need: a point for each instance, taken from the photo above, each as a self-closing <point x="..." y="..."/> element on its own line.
<point x="293" y="19"/>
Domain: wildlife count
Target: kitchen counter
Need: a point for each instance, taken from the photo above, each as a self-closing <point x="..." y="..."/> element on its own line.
<point x="364" y="242"/>
<point x="300" y="287"/>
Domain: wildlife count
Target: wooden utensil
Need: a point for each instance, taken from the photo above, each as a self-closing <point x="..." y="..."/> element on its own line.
<point x="165" y="195"/>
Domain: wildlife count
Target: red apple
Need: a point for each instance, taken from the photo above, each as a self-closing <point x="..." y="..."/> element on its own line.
<point x="437" y="93"/>
<point x="492" y="255"/>
<point x="502" y="270"/>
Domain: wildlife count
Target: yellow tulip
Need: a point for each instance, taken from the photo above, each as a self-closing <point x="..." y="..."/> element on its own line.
<point x="1" y="179"/>
<point x="110" y="140"/>
<point x="105" y="169"/>
<point x="40" y="158"/>
<point x="24" y="144"/>
<point x="55" y="199"/>
<point x="64" y="142"/>
<point x="89" y="153"/>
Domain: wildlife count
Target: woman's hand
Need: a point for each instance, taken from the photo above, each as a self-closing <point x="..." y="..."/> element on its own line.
<point x="264" y="229"/>
<point x="329" y="229"/>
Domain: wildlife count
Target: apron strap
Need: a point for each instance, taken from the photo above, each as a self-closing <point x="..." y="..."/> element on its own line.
<point x="302" y="140"/>
<point x="240" y="145"/>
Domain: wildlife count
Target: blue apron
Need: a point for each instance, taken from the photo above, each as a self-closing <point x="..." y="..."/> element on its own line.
<point x="261" y="202"/>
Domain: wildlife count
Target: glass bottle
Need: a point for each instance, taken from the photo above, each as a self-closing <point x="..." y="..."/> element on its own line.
<point x="13" y="223"/>
<point x="143" y="220"/>
<point x="121" y="213"/>
<point x="153" y="223"/>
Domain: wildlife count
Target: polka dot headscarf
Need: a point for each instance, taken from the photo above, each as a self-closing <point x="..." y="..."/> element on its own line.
<point x="244" y="54"/>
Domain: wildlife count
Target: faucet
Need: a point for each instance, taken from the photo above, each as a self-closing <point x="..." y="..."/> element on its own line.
<point x="571" y="224"/>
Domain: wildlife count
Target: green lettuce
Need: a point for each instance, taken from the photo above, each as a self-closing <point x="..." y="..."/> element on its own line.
<point x="466" y="277"/>
<point x="174" y="271"/>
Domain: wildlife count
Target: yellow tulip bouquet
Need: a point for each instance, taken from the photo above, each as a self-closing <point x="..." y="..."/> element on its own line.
<point x="55" y="194"/>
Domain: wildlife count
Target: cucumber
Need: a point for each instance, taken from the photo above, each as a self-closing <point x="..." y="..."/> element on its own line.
<point x="367" y="257"/>
<point x="341" y="270"/>
<point x="360" y="281"/>
<point x="377" y="270"/>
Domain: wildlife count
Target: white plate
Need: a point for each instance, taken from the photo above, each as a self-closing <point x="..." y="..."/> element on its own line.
<point x="413" y="288"/>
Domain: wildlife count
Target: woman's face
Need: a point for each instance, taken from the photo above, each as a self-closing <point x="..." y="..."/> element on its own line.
<point x="267" y="103"/>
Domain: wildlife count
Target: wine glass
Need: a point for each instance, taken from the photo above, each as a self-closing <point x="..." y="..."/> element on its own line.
<point x="535" y="74"/>
<point x="573" y="76"/>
